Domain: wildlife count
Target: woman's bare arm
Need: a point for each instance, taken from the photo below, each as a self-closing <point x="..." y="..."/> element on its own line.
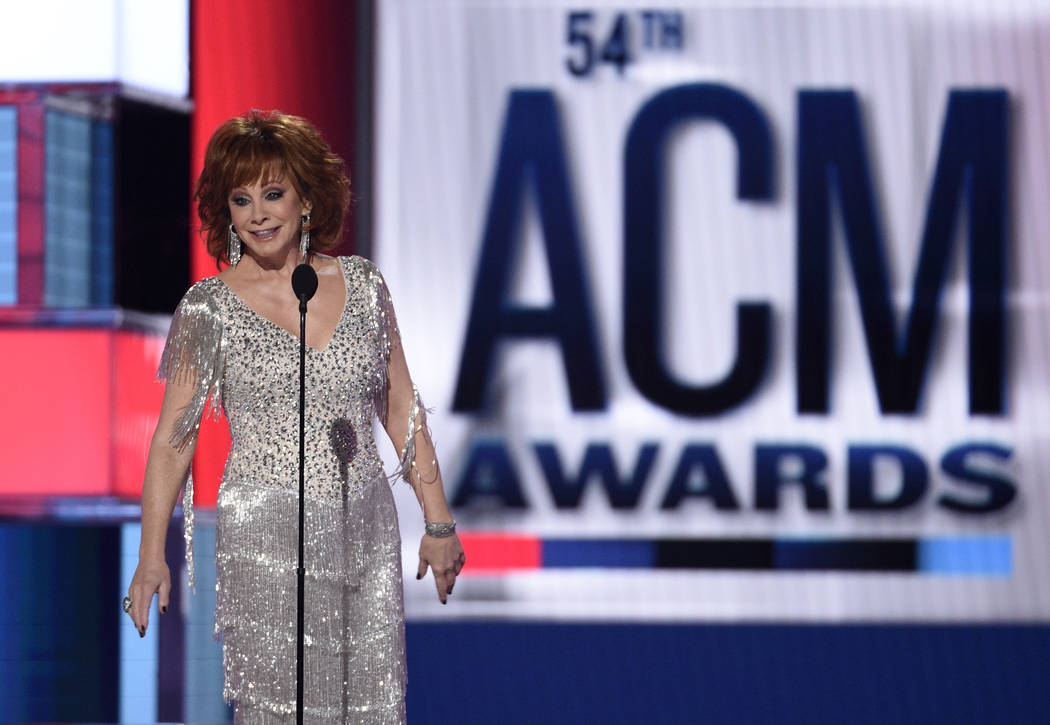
<point x="444" y="555"/>
<point x="166" y="469"/>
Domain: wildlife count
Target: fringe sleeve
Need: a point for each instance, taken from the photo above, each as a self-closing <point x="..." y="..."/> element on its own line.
<point x="388" y="336"/>
<point x="386" y="332"/>
<point x="193" y="355"/>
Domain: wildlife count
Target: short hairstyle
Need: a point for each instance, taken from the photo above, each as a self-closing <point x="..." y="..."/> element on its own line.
<point x="263" y="146"/>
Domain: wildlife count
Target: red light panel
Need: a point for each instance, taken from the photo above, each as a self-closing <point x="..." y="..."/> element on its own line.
<point x="55" y="421"/>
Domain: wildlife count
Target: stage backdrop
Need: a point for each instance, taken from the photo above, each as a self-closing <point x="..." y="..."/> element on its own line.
<point x="726" y="313"/>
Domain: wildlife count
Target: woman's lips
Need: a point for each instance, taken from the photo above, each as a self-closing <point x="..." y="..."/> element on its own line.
<point x="265" y="235"/>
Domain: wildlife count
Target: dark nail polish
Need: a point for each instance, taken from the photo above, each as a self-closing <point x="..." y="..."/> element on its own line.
<point x="163" y="610"/>
<point x="418" y="577"/>
<point x="142" y="632"/>
<point x="444" y="601"/>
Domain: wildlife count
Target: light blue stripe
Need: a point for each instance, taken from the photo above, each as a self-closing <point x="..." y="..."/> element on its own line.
<point x="203" y="674"/>
<point x="986" y="555"/>
<point x="138" y="656"/>
<point x="67" y="211"/>
<point x="102" y="214"/>
<point x="8" y="205"/>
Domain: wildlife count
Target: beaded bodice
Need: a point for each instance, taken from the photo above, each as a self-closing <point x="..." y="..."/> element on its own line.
<point x="342" y="384"/>
<point x="249" y="366"/>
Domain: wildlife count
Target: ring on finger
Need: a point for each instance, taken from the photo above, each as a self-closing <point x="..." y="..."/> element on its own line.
<point x="126" y="604"/>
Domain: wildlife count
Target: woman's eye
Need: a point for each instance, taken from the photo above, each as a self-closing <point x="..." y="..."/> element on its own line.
<point x="240" y="200"/>
<point x="274" y="195"/>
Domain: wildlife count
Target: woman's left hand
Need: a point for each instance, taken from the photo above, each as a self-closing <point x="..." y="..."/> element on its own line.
<point x="445" y="558"/>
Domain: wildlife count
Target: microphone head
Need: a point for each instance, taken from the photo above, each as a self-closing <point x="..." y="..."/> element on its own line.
<point x="304" y="281"/>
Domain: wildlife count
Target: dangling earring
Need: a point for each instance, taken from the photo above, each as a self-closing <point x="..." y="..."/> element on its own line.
<point x="304" y="235"/>
<point x="233" y="247"/>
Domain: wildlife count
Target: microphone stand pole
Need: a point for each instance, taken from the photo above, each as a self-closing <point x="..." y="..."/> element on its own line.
<point x="301" y="571"/>
<point x="304" y="284"/>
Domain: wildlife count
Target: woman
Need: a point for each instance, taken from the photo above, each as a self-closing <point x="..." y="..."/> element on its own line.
<point x="271" y="196"/>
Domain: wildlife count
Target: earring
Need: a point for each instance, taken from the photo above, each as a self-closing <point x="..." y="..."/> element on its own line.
<point x="233" y="247"/>
<point x="304" y="235"/>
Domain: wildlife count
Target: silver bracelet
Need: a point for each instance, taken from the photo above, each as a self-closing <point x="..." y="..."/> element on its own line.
<point x="440" y="529"/>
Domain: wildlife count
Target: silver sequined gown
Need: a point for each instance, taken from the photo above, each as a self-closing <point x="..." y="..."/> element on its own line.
<point x="354" y="646"/>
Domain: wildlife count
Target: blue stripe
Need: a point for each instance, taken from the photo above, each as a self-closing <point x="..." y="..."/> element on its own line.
<point x="990" y="555"/>
<point x="974" y="555"/>
<point x="617" y="553"/>
<point x="845" y="554"/>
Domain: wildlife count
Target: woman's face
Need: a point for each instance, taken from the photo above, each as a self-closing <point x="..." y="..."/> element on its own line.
<point x="267" y="217"/>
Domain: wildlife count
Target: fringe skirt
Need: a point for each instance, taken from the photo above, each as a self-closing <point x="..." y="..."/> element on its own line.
<point x="354" y="645"/>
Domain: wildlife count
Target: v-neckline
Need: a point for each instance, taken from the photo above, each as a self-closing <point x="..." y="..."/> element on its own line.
<point x="285" y="330"/>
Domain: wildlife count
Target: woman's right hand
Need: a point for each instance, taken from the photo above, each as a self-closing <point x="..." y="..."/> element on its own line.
<point x="151" y="577"/>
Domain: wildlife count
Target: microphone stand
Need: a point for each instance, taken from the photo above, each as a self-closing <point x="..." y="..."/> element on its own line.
<point x="304" y="284"/>
<point x="301" y="571"/>
<point x="302" y="485"/>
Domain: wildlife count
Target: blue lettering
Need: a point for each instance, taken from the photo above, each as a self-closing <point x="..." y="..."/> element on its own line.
<point x="643" y="199"/>
<point x="699" y="474"/>
<point x="833" y="163"/>
<point x="532" y="155"/>
<point x="489" y="473"/>
<point x="597" y="462"/>
<point x="861" y="477"/>
<point x="999" y="489"/>
<point x="769" y="475"/>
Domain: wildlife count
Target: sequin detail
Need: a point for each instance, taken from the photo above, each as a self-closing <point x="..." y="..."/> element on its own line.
<point x="193" y="356"/>
<point x="385" y="331"/>
<point x="355" y="662"/>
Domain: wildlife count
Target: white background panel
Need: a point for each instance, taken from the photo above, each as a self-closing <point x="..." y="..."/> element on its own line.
<point x="139" y="42"/>
<point x="445" y="69"/>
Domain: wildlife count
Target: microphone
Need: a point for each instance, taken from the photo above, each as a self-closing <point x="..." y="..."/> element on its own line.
<point x="304" y="284"/>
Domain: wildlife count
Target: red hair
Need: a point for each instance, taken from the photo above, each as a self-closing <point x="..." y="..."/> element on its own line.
<point x="264" y="146"/>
